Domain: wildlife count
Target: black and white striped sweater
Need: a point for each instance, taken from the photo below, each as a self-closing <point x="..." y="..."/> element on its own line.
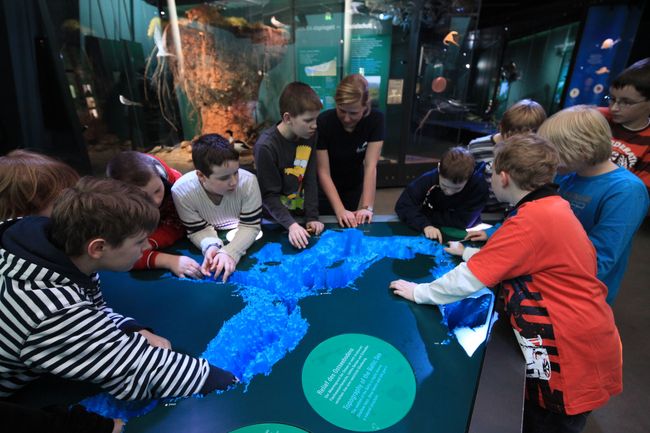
<point x="53" y="319"/>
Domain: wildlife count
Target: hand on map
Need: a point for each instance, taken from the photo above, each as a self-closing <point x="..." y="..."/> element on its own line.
<point x="315" y="227"/>
<point x="298" y="236"/>
<point x="222" y="263"/>
<point x="363" y="216"/>
<point x="155" y="340"/>
<point x="220" y="378"/>
<point x="403" y="288"/>
<point x="430" y="232"/>
<point x="182" y="266"/>
<point x="208" y="257"/>
<point x="346" y="218"/>
<point x="455" y="248"/>
<point x="475" y="236"/>
<point x="118" y="425"/>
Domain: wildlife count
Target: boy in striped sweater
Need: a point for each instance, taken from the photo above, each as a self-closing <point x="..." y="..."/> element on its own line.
<point x="53" y="318"/>
<point x="218" y="195"/>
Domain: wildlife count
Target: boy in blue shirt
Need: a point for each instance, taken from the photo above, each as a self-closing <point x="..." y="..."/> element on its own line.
<point x="609" y="201"/>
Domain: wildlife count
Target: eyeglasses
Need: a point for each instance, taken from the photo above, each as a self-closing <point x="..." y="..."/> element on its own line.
<point x="622" y="103"/>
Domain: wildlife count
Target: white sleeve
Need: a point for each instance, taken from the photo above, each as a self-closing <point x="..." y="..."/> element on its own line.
<point x="451" y="287"/>
<point x="469" y="252"/>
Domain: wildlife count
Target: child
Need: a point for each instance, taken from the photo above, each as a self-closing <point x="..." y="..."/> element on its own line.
<point x="29" y="183"/>
<point x="218" y="195"/>
<point x="350" y="138"/>
<point x="451" y="195"/>
<point x="556" y="305"/>
<point x="523" y="116"/>
<point x="285" y="162"/>
<point x="628" y="115"/>
<point x="53" y="318"/>
<point x="609" y="201"/>
<point x="155" y="179"/>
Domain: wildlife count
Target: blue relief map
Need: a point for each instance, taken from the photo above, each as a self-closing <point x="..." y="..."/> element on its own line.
<point x="272" y="289"/>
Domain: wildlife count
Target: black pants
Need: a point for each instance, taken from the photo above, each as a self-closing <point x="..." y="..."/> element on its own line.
<point x="540" y="420"/>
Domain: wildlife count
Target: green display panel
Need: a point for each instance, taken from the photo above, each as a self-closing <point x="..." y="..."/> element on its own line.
<point x="358" y="382"/>
<point x="269" y="428"/>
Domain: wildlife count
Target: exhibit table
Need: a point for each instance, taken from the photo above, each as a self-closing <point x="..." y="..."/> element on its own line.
<point x="368" y="359"/>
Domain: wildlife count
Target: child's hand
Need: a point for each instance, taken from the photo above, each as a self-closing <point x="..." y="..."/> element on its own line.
<point x="208" y="257"/>
<point x="479" y="235"/>
<point x="298" y="236"/>
<point x="430" y="232"/>
<point x="222" y="262"/>
<point x="185" y="267"/>
<point x="405" y="289"/>
<point x="315" y="227"/>
<point x="118" y="425"/>
<point x="346" y="218"/>
<point x="363" y="216"/>
<point x="455" y="248"/>
<point x="155" y="340"/>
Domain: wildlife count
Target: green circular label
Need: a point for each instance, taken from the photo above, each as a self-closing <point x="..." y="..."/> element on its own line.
<point x="358" y="382"/>
<point x="269" y="428"/>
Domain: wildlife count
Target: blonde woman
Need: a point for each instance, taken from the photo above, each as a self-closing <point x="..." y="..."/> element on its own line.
<point x="350" y="138"/>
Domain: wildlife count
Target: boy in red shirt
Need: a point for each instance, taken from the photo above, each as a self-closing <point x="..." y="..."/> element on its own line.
<point x="155" y="178"/>
<point x="628" y="115"/>
<point x="556" y="305"/>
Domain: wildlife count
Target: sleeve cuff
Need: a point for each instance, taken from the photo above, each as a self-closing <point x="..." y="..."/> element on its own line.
<point x="469" y="252"/>
<point x="208" y="242"/>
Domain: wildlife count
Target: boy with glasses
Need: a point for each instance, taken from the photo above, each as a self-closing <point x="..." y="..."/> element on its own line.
<point x="628" y="116"/>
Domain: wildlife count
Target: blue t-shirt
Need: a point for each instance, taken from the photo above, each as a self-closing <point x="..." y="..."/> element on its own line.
<point x="611" y="207"/>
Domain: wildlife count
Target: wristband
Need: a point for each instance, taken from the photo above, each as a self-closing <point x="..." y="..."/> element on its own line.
<point x="368" y="208"/>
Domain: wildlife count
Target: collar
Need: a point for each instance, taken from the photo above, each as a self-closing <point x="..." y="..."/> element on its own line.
<point x="548" y="190"/>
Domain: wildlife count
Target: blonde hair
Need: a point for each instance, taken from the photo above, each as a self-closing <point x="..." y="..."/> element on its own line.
<point x="523" y="116"/>
<point x="530" y="160"/>
<point x="580" y="134"/>
<point x="29" y="182"/>
<point x="352" y="89"/>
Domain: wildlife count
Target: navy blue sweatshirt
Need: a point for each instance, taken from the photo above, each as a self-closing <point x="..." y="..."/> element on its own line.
<point x="423" y="203"/>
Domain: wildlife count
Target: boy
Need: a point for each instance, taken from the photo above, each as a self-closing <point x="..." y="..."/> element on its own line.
<point x="285" y="159"/>
<point x="53" y="318"/>
<point x="629" y="117"/>
<point x="218" y="195"/>
<point x="523" y="116"/>
<point x="451" y="195"/>
<point x="556" y="305"/>
<point x="155" y="179"/>
<point x="609" y="201"/>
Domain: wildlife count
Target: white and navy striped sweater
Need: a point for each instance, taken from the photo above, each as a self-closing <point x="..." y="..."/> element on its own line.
<point x="53" y="319"/>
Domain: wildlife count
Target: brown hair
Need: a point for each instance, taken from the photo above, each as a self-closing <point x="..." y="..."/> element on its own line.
<point x="132" y="167"/>
<point x="637" y="76"/>
<point x="100" y="208"/>
<point x="456" y="164"/>
<point x="352" y="89"/>
<point x="523" y="116"/>
<point x="581" y="136"/>
<point x="212" y="149"/>
<point x="530" y="160"/>
<point x="297" y="98"/>
<point x="29" y="182"/>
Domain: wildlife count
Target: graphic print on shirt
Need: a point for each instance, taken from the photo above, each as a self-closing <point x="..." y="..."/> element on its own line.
<point x="362" y="147"/>
<point x="622" y="155"/>
<point x="531" y="323"/>
<point x="296" y="200"/>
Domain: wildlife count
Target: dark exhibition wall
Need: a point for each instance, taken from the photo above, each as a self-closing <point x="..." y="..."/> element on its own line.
<point x="87" y="79"/>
